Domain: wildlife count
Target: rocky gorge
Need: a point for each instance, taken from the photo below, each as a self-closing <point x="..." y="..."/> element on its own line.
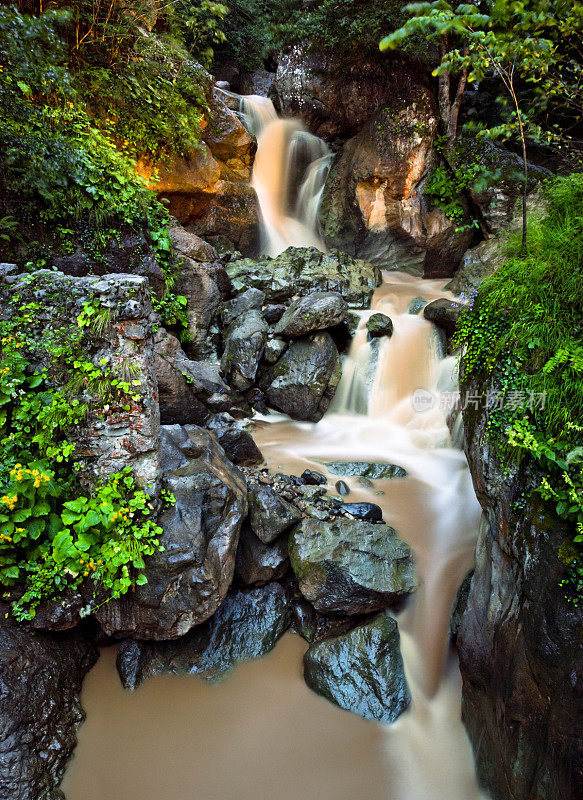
<point x="296" y="435"/>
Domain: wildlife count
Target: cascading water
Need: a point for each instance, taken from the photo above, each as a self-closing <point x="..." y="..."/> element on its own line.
<point x="289" y="174"/>
<point x="377" y="416"/>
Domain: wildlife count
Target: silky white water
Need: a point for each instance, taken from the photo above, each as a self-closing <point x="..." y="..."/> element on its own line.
<point x="289" y="174"/>
<point x="375" y="417"/>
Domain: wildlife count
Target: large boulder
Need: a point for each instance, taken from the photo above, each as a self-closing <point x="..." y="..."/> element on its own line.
<point x="332" y="99"/>
<point x="189" y="579"/>
<point x="299" y="270"/>
<point x="258" y="563"/>
<point x="313" y="312"/>
<point x="351" y="566"/>
<point x="244" y="345"/>
<point x="373" y="204"/>
<point x="40" y="709"/>
<point x="188" y="244"/>
<point x="246" y="626"/>
<point x="443" y="313"/>
<point x="303" y="381"/>
<point x="208" y="189"/>
<point x="205" y="286"/>
<point x="188" y="391"/>
<point x="361" y="671"/>
<point x="270" y="515"/>
<point x="519" y="640"/>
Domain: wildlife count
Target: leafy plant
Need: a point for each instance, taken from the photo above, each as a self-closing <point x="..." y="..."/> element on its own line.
<point x="524" y="329"/>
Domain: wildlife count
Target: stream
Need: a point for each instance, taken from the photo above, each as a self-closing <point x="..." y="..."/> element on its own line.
<point x="261" y="733"/>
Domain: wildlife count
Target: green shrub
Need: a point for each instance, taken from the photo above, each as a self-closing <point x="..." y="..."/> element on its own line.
<point x="54" y="535"/>
<point x="525" y="328"/>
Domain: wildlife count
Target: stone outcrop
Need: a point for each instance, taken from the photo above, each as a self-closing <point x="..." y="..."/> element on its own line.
<point x="258" y="563"/>
<point x="299" y="270"/>
<point x="269" y="515"/>
<point x="188" y="391"/>
<point x="361" y="671"/>
<point x="127" y="433"/>
<point x="188" y="581"/>
<point x="40" y="711"/>
<point x="247" y="625"/>
<point x="519" y="640"/>
<point x="313" y="312"/>
<point x="443" y="313"/>
<point x="303" y="381"/>
<point x="333" y="100"/>
<point x="373" y="204"/>
<point x="208" y="191"/>
<point x="351" y="566"/>
<point x="205" y="286"/>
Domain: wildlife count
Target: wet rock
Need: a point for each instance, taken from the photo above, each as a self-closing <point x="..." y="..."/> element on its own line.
<point x="444" y="313"/>
<point x="313" y="312"/>
<point x="247" y="625"/>
<point x="190" y="245"/>
<point x="369" y="512"/>
<point x="303" y="381"/>
<point x="519" y="640"/>
<point x="273" y="313"/>
<point x="205" y="286"/>
<point x="342" y="488"/>
<point x="379" y="325"/>
<point x="274" y="349"/>
<point x="128" y="251"/>
<point x="361" y="671"/>
<point x="269" y="515"/>
<point x="373" y="204"/>
<point x="229" y="141"/>
<point x="258" y="563"/>
<point x="239" y="446"/>
<point x="189" y="579"/>
<point x="40" y="709"/>
<point x="366" y="469"/>
<point x="251" y="300"/>
<point x="312" y="478"/>
<point x="299" y="270"/>
<point x="350" y="566"/>
<point x="459" y="606"/>
<point x="244" y="344"/>
<point x="188" y="391"/>
<point x="304" y="618"/>
<point x="416" y="305"/>
<point x="333" y="99"/>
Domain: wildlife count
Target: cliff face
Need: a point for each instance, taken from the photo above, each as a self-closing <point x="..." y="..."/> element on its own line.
<point x="520" y="643"/>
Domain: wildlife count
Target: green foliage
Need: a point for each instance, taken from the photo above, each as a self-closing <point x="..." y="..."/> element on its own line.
<point x="52" y="536"/>
<point x="445" y="185"/>
<point x="173" y="310"/>
<point x="525" y="329"/>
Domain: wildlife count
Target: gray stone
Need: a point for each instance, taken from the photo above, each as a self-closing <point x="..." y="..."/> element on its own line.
<point x="269" y="514"/>
<point x="247" y="625"/>
<point x="273" y="350"/>
<point x="187" y="581"/>
<point x="190" y="245"/>
<point x="303" y="381"/>
<point x="40" y="708"/>
<point x="444" y="313"/>
<point x="258" y="563"/>
<point x="350" y="566"/>
<point x="366" y="469"/>
<point x="299" y="270"/>
<point x="244" y="344"/>
<point x="188" y="391"/>
<point x="416" y="305"/>
<point x="313" y="312"/>
<point x="251" y="300"/>
<point x="205" y="286"/>
<point x="361" y="671"/>
<point x="379" y="325"/>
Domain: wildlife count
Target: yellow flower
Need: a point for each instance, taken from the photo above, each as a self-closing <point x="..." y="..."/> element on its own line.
<point x="9" y="500"/>
<point x="20" y="530"/>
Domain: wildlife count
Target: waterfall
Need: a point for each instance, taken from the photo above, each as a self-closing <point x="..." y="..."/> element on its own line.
<point x="290" y="170"/>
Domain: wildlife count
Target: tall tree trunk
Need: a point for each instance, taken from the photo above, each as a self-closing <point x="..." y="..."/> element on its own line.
<point x="457" y="103"/>
<point x="444" y="88"/>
